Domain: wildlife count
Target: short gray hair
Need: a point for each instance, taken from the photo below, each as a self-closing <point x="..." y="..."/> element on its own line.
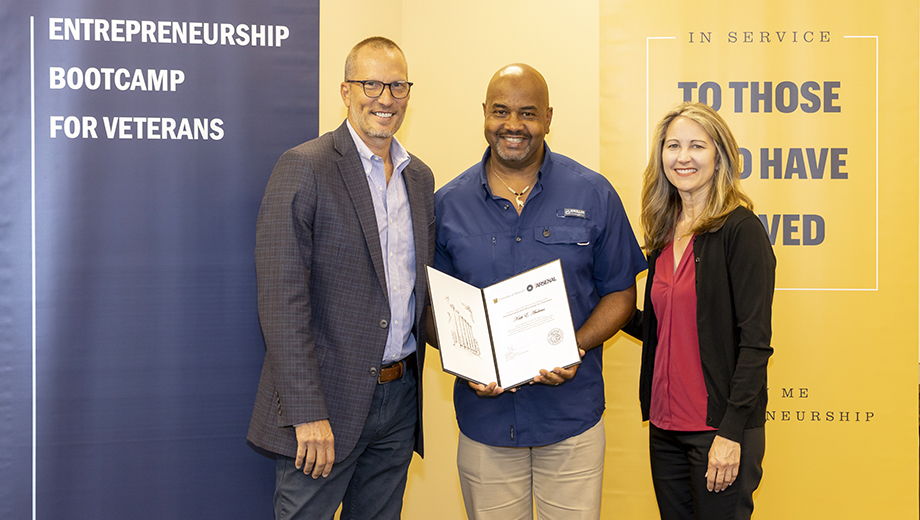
<point x="374" y="42"/>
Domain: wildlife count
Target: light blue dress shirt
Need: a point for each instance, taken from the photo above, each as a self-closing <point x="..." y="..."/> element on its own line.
<point x="394" y="223"/>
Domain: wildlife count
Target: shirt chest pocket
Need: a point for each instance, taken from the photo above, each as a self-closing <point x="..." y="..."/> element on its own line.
<point x="563" y="235"/>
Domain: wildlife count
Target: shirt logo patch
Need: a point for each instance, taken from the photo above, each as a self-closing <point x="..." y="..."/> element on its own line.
<point x="571" y="212"/>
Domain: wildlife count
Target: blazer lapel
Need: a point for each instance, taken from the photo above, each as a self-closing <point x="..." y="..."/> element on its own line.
<point x="352" y="172"/>
<point x="417" y="205"/>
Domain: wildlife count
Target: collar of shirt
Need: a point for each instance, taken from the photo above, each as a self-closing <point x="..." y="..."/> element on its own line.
<point x="398" y="154"/>
<point x="537" y="187"/>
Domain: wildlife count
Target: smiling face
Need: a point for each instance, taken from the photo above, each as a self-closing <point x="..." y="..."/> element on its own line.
<point x="517" y="116"/>
<point x="376" y="119"/>
<point x="688" y="157"/>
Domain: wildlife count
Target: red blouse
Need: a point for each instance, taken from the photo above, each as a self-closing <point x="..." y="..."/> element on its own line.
<point x="678" y="391"/>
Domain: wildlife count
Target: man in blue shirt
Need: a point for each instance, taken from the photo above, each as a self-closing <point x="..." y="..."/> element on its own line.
<point x="518" y="208"/>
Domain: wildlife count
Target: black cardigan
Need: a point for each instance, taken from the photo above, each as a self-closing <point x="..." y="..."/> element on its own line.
<point x="735" y="271"/>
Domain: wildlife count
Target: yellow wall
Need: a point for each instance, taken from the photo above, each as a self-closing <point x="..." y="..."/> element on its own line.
<point x="845" y="310"/>
<point x="839" y="344"/>
<point x="452" y="53"/>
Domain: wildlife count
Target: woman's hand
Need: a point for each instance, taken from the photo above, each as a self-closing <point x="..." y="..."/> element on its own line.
<point x="724" y="459"/>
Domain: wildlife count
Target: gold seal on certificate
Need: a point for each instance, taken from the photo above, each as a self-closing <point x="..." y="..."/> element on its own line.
<point x="508" y="331"/>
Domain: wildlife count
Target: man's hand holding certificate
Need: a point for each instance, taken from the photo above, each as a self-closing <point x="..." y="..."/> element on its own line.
<point x="508" y="332"/>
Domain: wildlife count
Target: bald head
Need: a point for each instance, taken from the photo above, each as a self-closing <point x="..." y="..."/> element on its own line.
<point x="517" y="118"/>
<point x="517" y="75"/>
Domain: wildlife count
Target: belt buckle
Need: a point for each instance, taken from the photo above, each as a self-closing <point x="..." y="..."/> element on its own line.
<point x="402" y="371"/>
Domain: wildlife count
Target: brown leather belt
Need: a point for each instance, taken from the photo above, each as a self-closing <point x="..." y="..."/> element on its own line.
<point x="394" y="371"/>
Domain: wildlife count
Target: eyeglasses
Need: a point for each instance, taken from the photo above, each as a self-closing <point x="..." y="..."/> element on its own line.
<point x="374" y="88"/>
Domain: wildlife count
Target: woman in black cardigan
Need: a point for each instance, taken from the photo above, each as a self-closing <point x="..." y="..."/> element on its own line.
<point x="706" y="324"/>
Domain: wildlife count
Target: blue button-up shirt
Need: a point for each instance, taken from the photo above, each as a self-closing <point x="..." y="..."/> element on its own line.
<point x="573" y="214"/>
<point x="394" y="223"/>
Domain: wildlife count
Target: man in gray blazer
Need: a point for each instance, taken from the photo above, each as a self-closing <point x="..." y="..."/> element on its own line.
<point x="344" y="233"/>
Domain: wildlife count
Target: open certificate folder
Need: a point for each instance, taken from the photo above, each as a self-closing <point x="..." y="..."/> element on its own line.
<point x="506" y="332"/>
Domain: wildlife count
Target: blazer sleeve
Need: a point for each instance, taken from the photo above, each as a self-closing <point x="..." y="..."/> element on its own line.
<point x="283" y="257"/>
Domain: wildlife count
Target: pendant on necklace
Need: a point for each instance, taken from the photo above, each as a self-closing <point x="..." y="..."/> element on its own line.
<point x="517" y="196"/>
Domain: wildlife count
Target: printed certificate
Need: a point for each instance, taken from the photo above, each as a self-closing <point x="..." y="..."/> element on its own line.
<point x="508" y="331"/>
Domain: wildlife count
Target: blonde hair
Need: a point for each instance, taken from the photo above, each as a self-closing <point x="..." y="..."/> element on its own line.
<point x="661" y="203"/>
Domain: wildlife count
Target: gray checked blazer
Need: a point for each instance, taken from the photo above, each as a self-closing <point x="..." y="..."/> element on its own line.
<point x="322" y="292"/>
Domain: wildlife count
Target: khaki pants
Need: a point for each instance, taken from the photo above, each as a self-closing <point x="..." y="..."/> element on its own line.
<point x="565" y="479"/>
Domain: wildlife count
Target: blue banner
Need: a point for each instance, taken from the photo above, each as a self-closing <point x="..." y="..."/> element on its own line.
<point x="137" y="139"/>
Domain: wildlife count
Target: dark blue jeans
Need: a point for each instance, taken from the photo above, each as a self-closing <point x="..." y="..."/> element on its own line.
<point x="370" y="482"/>
<point x="679" y="462"/>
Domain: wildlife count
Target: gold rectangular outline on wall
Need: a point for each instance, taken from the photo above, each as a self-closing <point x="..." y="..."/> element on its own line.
<point x="648" y="39"/>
